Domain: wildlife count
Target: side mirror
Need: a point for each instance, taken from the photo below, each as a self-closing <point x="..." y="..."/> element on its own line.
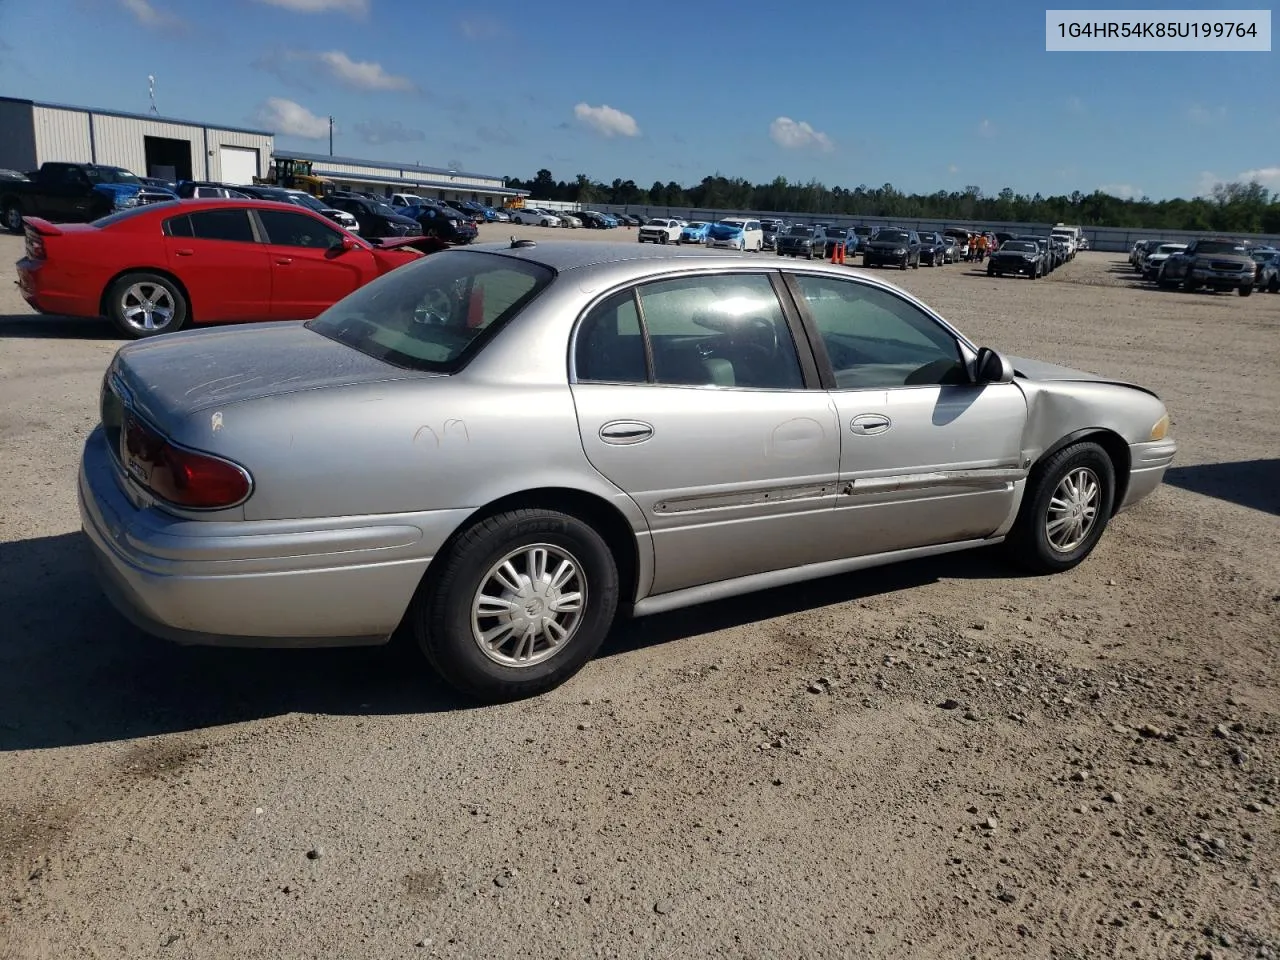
<point x="991" y="367"/>
<point x="347" y="242"/>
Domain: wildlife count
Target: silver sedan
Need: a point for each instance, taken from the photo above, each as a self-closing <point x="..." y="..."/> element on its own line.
<point x="504" y="447"/>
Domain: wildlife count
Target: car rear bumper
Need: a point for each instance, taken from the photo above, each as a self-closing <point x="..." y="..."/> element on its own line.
<point x="45" y="293"/>
<point x="1147" y="465"/>
<point x="326" y="582"/>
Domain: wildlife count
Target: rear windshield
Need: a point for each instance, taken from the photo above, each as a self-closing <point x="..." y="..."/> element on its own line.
<point x="436" y="313"/>
<point x="1019" y="246"/>
<point x="1220" y="246"/>
<point x="893" y="236"/>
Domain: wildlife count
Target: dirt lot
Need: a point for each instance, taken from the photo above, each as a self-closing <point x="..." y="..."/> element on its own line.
<point x="1109" y="784"/>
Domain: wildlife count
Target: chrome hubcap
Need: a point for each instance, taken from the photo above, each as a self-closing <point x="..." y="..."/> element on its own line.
<point x="1073" y="509"/>
<point x="529" y="605"/>
<point x="147" y="306"/>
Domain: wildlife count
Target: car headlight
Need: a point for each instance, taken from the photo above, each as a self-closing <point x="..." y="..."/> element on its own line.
<point x="1161" y="428"/>
<point x="900" y="251"/>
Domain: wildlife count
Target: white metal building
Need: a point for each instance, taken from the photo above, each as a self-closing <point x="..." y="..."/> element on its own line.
<point x="32" y="133"/>
<point x="386" y="178"/>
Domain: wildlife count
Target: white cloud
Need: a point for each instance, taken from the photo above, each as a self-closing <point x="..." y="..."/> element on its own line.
<point x="1124" y="191"/>
<point x="1206" y="182"/>
<point x="1199" y="113"/>
<point x="986" y="128"/>
<point x="798" y="135"/>
<point x="148" y="15"/>
<point x="291" y="119"/>
<point x="607" y="121"/>
<point x="361" y="74"/>
<point x="1267" y="176"/>
<point x="952" y="169"/>
<point x="356" y="8"/>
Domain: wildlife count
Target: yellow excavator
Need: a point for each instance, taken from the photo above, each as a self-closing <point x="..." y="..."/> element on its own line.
<point x="513" y="203"/>
<point x="294" y="174"/>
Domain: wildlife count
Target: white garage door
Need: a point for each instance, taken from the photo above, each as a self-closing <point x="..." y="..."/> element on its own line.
<point x="238" y="164"/>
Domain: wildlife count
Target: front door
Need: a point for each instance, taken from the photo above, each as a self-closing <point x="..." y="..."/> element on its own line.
<point x="926" y="456"/>
<point x="218" y="258"/>
<point x="702" y="414"/>
<point x="310" y="270"/>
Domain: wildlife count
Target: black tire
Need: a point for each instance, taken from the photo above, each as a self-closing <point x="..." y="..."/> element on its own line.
<point x="116" y="305"/>
<point x="664" y="239"/>
<point x="441" y="612"/>
<point x="1189" y="285"/>
<point x="1246" y="290"/>
<point x="1274" y="285"/>
<point x="1028" y="543"/>
<point x="903" y="265"/>
<point x="990" y="272"/>
<point x="12" y="217"/>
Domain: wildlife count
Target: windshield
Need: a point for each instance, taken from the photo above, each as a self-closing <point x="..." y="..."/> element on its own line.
<point x="893" y="236"/>
<point x="383" y="210"/>
<point x="1018" y="246"/>
<point x="1221" y="246"/>
<point x="800" y="232"/>
<point x="864" y="231"/>
<point x="696" y="225"/>
<point x="111" y="175"/>
<point x="731" y="224"/>
<point x="434" y="314"/>
<point x="1171" y="248"/>
<point x="308" y="201"/>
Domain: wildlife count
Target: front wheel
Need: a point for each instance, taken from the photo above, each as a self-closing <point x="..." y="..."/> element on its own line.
<point x="521" y="602"/>
<point x="146" y="304"/>
<point x="1065" y="509"/>
<point x="1246" y="291"/>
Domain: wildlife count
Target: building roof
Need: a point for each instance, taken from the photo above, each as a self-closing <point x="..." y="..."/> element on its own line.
<point x="402" y="168"/>
<point x="321" y="171"/>
<point x="137" y="116"/>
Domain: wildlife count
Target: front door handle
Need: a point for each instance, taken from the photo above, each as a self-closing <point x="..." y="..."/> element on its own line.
<point x="284" y="261"/>
<point x="184" y="252"/>
<point x="869" y="424"/>
<point x="621" y="432"/>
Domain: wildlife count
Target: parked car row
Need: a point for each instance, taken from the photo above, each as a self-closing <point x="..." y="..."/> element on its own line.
<point x="1028" y="255"/>
<point x="1213" y="263"/>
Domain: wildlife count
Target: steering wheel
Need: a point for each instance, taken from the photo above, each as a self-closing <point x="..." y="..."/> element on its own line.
<point x="757" y="334"/>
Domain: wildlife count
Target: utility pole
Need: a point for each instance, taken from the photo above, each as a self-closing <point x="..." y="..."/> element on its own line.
<point x="331" y="136"/>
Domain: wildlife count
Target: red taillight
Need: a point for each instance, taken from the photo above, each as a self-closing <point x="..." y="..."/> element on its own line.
<point x="35" y="245"/>
<point x="183" y="477"/>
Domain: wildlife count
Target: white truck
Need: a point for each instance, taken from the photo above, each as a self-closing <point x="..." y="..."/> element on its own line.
<point x="660" y="230"/>
<point x="1074" y="237"/>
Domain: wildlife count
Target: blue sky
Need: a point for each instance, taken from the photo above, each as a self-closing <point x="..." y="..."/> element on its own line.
<point x="926" y="96"/>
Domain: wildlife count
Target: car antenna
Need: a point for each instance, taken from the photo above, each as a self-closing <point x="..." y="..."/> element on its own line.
<point x="522" y="243"/>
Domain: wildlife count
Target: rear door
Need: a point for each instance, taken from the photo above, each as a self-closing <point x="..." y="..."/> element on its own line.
<point x="926" y="456"/>
<point x="219" y="259"/>
<point x="310" y="270"/>
<point x="708" y="413"/>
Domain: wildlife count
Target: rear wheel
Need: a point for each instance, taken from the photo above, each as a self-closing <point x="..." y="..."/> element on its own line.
<point x="1065" y="509"/>
<point x="146" y="304"/>
<point x="12" y="216"/>
<point x="522" y="601"/>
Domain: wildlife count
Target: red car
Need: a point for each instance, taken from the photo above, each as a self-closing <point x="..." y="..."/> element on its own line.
<point x="157" y="268"/>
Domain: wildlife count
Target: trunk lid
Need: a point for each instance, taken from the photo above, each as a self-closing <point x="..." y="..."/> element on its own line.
<point x="167" y="378"/>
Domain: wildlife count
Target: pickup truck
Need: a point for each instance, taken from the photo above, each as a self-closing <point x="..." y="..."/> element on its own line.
<point x="1219" y="264"/>
<point x="68" y="192"/>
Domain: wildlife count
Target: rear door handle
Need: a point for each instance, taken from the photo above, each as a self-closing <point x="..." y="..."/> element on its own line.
<point x="184" y="252"/>
<point x="869" y="424"/>
<point x="284" y="260"/>
<point x="621" y="432"/>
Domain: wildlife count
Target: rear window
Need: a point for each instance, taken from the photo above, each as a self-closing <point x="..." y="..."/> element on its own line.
<point x="129" y="214"/>
<point x="437" y="313"/>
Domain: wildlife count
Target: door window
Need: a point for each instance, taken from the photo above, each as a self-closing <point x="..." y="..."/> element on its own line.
<point x="298" y="230"/>
<point x="610" y="347"/>
<point x="725" y="330"/>
<point x="876" y="340"/>
<point x="222" y="225"/>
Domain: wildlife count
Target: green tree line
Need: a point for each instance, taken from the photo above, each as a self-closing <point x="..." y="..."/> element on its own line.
<point x="1230" y="208"/>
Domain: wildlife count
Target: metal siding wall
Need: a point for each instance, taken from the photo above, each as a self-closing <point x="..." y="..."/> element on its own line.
<point x="120" y="142"/>
<point x="17" y="137"/>
<point x="356" y="171"/>
<point x="62" y="135"/>
<point x="231" y="138"/>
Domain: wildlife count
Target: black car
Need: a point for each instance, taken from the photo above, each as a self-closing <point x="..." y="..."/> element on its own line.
<point x="933" y="249"/>
<point x="1046" y="256"/>
<point x="893" y="246"/>
<point x="1018" y="257"/>
<point x="772" y="228"/>
<point x="438" y="220"/>
<point x="799" y="241"/>
<point x="376" y="218"/>
<point x="300" y="198"/>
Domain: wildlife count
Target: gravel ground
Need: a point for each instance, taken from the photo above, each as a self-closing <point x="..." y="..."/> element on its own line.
<point x="940" y="759"/>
